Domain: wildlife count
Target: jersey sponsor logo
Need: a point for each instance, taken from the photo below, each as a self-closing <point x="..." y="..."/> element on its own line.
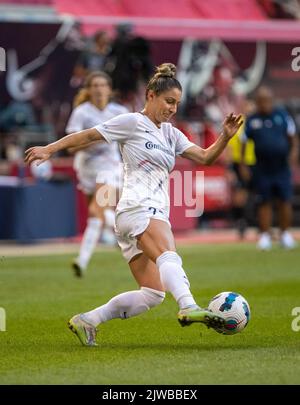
<point x="150" y="145"/>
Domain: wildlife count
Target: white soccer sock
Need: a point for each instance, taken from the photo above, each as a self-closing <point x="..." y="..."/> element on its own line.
<point x="174" y="278"/>
<point x="89" y="241"/>
<point x="126" y="305"/>
<point x="109" y="216"/>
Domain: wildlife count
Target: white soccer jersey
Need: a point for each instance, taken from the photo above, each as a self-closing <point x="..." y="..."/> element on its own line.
<point x="87" y="115"/>
<point x="148" y="154"/>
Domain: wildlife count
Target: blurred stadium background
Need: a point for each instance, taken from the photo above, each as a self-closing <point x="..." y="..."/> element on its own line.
<point x="223" y="49"/>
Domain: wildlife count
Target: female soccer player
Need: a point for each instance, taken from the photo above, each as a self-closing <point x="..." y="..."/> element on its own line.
<point x="148" y="146"/>
<point x="97" y="166"/>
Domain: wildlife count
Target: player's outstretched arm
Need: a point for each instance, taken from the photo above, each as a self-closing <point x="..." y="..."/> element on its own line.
<point x="81" y="147"/>
<point x="78" y="139"/>
<point x="207" y="156"/>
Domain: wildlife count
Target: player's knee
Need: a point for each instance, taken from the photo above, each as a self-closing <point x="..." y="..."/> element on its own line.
<point x="152" y="297"/>
<point x="168" y="257"/>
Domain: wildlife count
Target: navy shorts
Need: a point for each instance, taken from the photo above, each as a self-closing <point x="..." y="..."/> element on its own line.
<point x="269" y="186"/>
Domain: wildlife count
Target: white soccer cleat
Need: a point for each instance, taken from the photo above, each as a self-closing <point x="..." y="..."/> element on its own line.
<point x="85" y="332"/>
<point x="287" y="241"/>
<point x="192" y="314"/>
<point x="264" y="242"/>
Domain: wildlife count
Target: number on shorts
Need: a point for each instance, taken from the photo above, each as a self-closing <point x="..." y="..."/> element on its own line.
<point x="153" y="210"/>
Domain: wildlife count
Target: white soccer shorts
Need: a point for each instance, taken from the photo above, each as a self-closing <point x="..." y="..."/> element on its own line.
<point x="130" y="224"/>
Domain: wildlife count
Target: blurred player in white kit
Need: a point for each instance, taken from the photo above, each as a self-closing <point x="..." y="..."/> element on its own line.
<point x="98" y="167"/>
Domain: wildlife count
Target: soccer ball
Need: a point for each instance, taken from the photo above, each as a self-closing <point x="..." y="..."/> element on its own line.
<point x="234" y="308"/>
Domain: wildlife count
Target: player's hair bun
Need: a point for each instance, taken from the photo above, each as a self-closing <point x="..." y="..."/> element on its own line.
<point x="163" y="80"/>
<point x="165" y="70"/>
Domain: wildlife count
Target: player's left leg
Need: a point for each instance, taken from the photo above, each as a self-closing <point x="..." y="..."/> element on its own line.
<point x="122" y="306"/>
<point x="125" y="305"/>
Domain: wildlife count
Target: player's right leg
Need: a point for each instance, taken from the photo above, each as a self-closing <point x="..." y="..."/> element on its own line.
<point x="157" y="243"/>
<point x="146" y="273"/>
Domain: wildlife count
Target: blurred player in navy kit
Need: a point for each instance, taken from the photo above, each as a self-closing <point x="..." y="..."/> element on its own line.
<point x="276" y="148"/>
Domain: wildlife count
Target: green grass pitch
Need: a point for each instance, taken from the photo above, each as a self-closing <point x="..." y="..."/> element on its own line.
<point x="40" y="294"/>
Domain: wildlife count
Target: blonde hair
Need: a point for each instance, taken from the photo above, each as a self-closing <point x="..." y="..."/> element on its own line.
<point x="83" y="95"/>
<point x="164" y="79"/>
